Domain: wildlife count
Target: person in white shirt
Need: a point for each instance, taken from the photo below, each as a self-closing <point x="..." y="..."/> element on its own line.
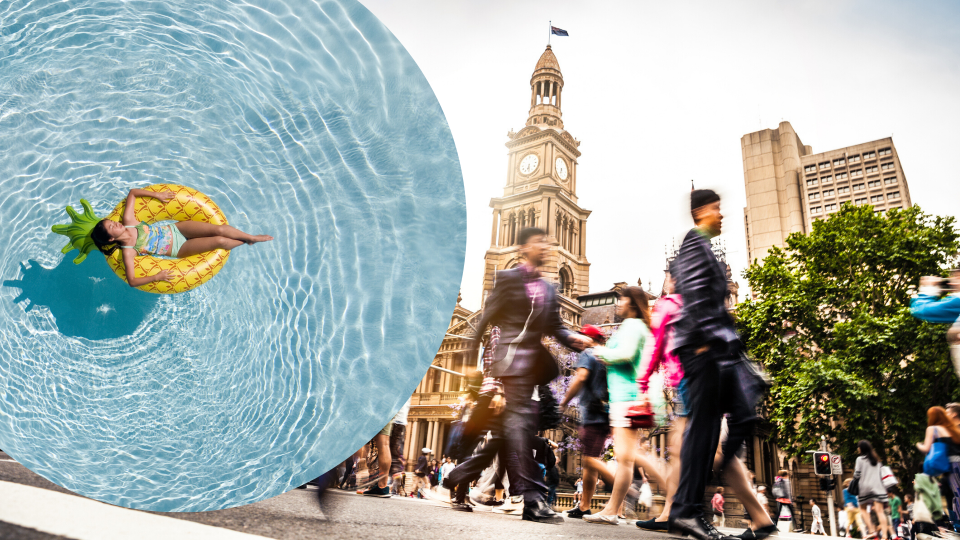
<point x="817" y="527"/>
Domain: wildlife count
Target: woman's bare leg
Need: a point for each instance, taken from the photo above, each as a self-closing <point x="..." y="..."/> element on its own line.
<point x="674" y="441"/>
<point x="624" y="448"/>
<point x="592" y="468"/>
<point x="198" y="229"/>
<point x="866" y="520"/>
<point x="739" y="484"/>
<point x="203" y="245"/>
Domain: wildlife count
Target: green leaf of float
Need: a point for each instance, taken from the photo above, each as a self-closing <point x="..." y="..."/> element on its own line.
<point x="78" y="231"/>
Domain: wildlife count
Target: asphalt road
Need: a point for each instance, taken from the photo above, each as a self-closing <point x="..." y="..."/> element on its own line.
<point x="298" y="515"/>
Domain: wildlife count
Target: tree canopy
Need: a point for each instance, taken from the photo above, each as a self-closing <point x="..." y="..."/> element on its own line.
<point x="830" y="320"/>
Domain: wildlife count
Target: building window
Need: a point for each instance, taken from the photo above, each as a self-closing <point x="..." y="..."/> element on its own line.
<point x="825" y="165"/>
<point x="828" y="193"/>
<point x="814" y="196"/>
<point x="891" y="180"/>
<point x="870" y="170"/>
<point x="826" y="179"/>
<point x="816" y="210"/>
<point x="830" y="207"/>
<point x="836" y="163"/>
<point x="843" y="189"/>
<point x="873" y="183"/>
<point x="876" y="198"/>
<point x="892" y="196"/>
<point x="858" y="187"/>
<point x="854" y="159"/>
<point x="812" y="182"/>
<point x="856" y="173"/>
<point x="887" y="166"/>
<point x="869" y="155"/>
<point x="810" y="169"/>
<point x="841" y="176"/>
<point x="885" y="151"/>
<point x="859" y="202"/>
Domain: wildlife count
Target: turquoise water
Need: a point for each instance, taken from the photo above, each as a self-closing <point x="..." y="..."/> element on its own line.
<point x="304" y="120"/>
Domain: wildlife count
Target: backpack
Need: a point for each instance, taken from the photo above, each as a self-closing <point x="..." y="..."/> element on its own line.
<point x="779" y="489"/>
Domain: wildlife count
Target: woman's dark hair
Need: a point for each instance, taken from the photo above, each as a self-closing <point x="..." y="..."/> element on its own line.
<point x="101" y="238"/>
<point x="866" y="449"/>
<point x="639" y="301"/>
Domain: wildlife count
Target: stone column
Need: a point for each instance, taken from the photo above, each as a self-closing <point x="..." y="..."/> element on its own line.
<point x="429" y="438"/>
<point x="441" y="437"/>
<point x="413" y="439"/>
<point x="493" y="230"/>
<point x="559" y="93"/>
<point x="434" y="436"/>
<point x="551" y="93"/>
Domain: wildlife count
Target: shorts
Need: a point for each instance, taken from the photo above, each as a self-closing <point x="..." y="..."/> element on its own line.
<point x="592" y="437"/>
<point x="387" y="429"/>
<point x="618" y="413"/>
<point x="870" y="499"/>
<point x="178" y="241"/>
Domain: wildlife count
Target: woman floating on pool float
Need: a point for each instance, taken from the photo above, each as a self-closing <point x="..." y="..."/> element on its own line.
<point x="200" y="240"/>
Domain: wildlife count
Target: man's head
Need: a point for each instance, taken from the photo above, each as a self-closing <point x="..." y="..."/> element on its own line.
<point x="533" y="244"/>
<point x="705" y="208"/>
<point x="953" y="411"/>
<point x="813" y="502"/>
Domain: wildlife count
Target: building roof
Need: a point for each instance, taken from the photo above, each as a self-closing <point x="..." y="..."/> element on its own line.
<point x="548" y="61"/>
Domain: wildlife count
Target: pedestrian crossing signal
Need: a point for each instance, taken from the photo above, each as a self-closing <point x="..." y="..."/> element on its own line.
<point x="821" y="464"/>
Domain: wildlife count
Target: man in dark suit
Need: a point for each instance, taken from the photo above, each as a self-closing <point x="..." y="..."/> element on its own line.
<point x="704" y="336"/>
<point x="525" y="308"/>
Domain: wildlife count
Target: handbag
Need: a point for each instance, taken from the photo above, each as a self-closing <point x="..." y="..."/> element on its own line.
<point x="752" y="378"/>
<point x="465" y="433"/>
<point x="887" y="478"/>
<point x="854" y="487"/>
<point x="641" y="416"/>
<point x="937" y="461"/>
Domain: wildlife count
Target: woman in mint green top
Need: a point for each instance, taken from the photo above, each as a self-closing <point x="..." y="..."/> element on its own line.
<point x="622" y="355"/>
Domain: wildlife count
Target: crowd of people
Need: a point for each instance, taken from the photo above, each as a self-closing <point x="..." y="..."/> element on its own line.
<point x="498" y="456"/>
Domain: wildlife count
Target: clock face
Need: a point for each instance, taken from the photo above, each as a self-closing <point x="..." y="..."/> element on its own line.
<point x="529" y="164"/>
<point x="561" y="168"/>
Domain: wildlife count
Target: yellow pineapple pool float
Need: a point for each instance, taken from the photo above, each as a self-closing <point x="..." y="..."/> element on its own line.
<point x="187" y="205"/>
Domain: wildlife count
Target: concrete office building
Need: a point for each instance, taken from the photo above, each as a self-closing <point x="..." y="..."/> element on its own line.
<point x="788" y="186"/>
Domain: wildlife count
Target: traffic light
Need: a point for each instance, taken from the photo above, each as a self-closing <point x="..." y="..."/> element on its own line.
<point x="827" y="483"/>
<point x="821" y="464"/>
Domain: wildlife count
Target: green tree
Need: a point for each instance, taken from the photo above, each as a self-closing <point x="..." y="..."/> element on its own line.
<point x="831" y="322"/>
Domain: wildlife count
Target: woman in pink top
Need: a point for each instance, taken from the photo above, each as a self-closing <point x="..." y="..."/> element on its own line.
<point x="666" y="310"/>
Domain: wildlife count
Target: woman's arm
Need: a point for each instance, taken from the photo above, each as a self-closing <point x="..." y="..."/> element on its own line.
<point x="928" y="439"/>
<point x="629" y="340"/>
<point x="129" y="215"/>
<point x="128" y="263"/>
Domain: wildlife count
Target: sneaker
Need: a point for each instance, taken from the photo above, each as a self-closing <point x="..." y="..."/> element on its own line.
<point x="376" y="491"/>
<point x="603" y="519"/>
<point x="479" y="499"/>
<point x="514" y="504"/>
<point x="577" y="513"/>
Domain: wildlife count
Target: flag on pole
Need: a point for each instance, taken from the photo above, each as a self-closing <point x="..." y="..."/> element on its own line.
<point x="558" y="31"/>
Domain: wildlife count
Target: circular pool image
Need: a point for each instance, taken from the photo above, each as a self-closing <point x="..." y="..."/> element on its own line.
<point x="305" y="121"/>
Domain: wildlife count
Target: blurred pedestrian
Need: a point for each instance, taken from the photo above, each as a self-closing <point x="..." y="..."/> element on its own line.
<point x="622" y="356"/>
<point x="420" y="473"/>
<point x="817" y="526"/>
<point x="589" y="385"/>
<point x="704" y="337"/>
<point x="716" y="504"/>
<point x="525" y="307"/>
<point x="871" y="492"/>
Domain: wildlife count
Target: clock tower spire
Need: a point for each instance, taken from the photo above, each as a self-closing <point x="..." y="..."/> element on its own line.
<point x="541" y="191"/>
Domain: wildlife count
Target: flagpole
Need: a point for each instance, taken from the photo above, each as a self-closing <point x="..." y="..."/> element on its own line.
<point x="549" y="31"/>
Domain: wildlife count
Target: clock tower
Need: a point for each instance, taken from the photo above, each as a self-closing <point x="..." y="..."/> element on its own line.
<point x="541" y="191"/>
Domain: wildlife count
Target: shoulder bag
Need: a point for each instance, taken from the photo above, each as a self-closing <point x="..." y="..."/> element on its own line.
<point x="937" y="461"/>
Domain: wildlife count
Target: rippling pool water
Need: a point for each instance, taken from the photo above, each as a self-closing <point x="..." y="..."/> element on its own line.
<point x="304" y="120"/>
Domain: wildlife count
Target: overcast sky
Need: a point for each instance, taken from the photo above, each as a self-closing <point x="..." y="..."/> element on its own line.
<point x="660" y="93"/>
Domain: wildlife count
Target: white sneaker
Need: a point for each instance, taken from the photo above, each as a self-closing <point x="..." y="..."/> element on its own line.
<point x="514" y="504"/>
<point x="601" y="518"/>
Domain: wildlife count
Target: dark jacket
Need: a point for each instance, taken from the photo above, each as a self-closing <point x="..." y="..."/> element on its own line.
<point x="422" y="467"/>
<point x="701" y="281"/>
<point x="520" y="352"/>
